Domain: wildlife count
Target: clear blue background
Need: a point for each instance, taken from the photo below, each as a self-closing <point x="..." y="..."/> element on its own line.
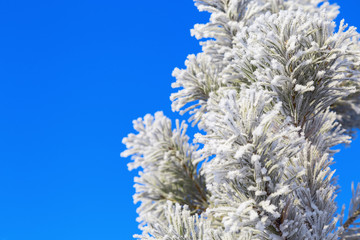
<point x="73" y="75"/>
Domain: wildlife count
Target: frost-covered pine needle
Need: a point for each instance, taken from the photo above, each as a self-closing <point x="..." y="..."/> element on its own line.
<point x="274" y="90"/>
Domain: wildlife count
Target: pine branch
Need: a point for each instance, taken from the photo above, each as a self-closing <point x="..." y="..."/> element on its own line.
<point x="169" y="166"/>
<point x="351" y="229"/>
<point x="275" y="88"/>
<point x="351" y="219"/>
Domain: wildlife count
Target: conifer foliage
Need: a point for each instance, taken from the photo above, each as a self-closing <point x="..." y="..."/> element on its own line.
<point x="274" y="89"/>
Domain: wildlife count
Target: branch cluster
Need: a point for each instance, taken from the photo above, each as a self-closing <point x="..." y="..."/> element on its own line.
<point x="275" y="89"/>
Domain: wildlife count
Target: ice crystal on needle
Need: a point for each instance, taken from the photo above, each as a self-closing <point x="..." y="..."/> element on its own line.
<point x="275" y="89"/>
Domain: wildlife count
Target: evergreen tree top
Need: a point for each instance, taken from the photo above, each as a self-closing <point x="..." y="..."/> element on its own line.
<point x="274" y="89"/>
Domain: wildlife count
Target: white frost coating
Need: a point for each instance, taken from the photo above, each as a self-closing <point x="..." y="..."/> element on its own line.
<point x="164" y="155"/>
<point x="275" y="89"/>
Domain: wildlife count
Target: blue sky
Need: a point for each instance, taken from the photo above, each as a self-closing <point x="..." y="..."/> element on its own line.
<point x="74" y="74"/>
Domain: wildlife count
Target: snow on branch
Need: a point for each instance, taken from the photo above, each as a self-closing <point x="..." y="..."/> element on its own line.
<point x="298" y="56"/>
<point x="169" y="167"/>
<point x="275" y="89"/>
